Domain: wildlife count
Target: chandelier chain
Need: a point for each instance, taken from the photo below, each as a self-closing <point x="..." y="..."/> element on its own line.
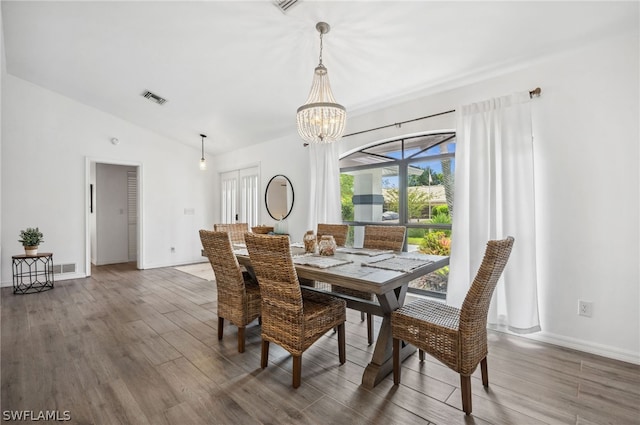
<point x="320" y="48"/>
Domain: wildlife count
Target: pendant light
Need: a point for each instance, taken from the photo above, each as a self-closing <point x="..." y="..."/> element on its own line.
<point x="321" y="119"/>
<point x="203" y="162"/>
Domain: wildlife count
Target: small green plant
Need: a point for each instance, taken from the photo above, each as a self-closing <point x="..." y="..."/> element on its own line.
<point x="31" y="237"/>
<point x="442" y="219"/>
<point x="440" y="209"/>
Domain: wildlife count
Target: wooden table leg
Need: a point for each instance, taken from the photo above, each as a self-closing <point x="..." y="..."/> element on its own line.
<point x="376" y="371"/>
<point x="381" y="363"/>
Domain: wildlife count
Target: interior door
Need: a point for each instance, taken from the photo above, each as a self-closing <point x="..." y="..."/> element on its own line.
<point x="240" y="196"/>
<point x="132" y="213"/>
<point x="229" y="195"/>
<point x="249" y="199"/>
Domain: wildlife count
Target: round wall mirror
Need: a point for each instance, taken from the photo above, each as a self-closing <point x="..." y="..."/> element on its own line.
<point x="278" y="197"/>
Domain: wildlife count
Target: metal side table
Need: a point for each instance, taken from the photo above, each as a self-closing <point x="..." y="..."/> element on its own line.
<point x="32" y="273"/>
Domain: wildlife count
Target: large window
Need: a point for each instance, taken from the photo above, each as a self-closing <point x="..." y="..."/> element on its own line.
<point x="407" y="181"/>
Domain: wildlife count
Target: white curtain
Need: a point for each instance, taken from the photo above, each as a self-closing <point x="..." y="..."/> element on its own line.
<point x="494" y="198"/>
<point x="324" y="185"/>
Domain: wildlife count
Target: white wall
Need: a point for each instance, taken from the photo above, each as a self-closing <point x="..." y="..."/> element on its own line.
<point x="587" y="184"/>
<point x="46" y="140"/>
<point x="284" y="156"/>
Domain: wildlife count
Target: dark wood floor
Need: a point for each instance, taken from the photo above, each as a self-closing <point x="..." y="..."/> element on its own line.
<point x="140" y="347"/>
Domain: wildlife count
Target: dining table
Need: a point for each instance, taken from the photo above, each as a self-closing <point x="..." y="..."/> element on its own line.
<point x="385" y="274"/>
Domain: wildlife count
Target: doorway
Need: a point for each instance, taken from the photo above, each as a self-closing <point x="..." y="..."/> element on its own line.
<point x="113" y="213"/>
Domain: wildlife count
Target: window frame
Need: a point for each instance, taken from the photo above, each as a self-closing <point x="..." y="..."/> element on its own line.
<point x="403" y="164"/>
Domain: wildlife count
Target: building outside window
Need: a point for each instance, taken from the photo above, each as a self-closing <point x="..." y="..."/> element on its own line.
<point x="406" y="181"/>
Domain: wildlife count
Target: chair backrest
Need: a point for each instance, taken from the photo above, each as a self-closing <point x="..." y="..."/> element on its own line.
<point x="384" y="237"/>
<point x="236" y="230"/>
<point x="280" y="291"/>
<point x="473" y="314"/>
<point x="217" y="247"/>
<point x="338" y="231"/>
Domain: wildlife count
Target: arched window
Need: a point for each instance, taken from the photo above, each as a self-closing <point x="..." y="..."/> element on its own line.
<point x="407" y="181"/>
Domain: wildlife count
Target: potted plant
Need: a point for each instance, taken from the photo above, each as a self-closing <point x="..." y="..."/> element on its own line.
<point x="30" y="238"/>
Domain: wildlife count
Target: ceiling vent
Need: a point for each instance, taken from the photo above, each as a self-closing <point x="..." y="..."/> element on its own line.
<point x="284" y="5"/>
<point x="154" y="97"/>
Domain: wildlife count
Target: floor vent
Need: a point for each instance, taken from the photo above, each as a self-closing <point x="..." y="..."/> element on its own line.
<point x="64" y="268"/>
<point x="154" y="97"/>
<point x="284" y="5"/>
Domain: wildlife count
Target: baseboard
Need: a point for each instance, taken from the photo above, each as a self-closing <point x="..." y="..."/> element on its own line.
<point x="56" y="278"/>
<point x="175" y="264"/>
<point x="586" y="346"/>
<point x="68" y="276"/>
<point x="566" y="342"/>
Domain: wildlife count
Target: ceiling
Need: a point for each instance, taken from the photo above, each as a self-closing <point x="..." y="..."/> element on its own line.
<point x="238" y="70"/>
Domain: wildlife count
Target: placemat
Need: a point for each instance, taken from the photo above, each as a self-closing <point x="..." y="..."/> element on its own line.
<point x="319" y="261"/>
<point x="363" y="251"/>
<point x="400" y="264"/>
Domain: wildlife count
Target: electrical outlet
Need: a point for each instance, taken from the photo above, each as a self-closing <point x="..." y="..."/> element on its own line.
<point x="585" y="308"/>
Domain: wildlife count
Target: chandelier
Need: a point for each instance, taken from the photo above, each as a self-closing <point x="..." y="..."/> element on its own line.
<point x="321" y="119"/>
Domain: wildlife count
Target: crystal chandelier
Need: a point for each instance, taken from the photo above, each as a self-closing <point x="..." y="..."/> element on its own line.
<point x="321" y="119"/>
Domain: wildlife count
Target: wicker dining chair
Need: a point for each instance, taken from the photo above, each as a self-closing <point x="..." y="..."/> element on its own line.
<point x="238" y="292"/>
<point x="384" y="237"/>
<point x="236" y="230"/>
<point x="456" y="337"/>
<point x="376" y="237"/>
<point x="338" y="231"/>
<point x="292" y="317"/>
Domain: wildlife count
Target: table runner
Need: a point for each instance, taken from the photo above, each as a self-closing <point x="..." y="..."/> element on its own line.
<point x="319" y="261"/>
<point x="401" y="264"/>
<point x="363" y="251"/>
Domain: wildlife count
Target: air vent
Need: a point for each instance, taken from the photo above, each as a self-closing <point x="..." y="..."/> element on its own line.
<point x="64" y="268"/>
<point x="154" y="97"/>
<point x="284" y="5"/>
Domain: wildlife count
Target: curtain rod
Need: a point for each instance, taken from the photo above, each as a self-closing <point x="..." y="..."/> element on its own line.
<point x="532" y="93"/>
<point x="399" y="124"/>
